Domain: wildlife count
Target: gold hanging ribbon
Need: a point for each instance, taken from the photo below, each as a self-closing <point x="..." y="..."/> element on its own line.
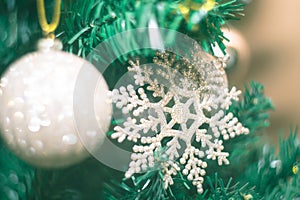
<point x="48" y="29"/>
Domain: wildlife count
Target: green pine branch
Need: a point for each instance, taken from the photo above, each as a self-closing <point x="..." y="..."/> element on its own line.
<point x="15" y="176"/>
<point x="253" y="108"/>
<point x="272" y="174"/>
<point x="19" y="30"/>
<point x="210" y="33"/>
<point x="146" y="186"/>
<point x="218" y="189"/>
<point x="82" y="181"/>
<point x="85" y="24"/>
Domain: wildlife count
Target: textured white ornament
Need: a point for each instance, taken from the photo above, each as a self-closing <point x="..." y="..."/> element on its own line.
<point x="181" y="119"/>
<point x="36" y="113"/>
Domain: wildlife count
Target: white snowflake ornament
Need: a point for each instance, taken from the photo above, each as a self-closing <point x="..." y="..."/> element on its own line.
<point x="180" y="116"/>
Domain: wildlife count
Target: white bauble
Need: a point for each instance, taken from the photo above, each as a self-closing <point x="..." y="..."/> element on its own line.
<point x="38" y="118"/>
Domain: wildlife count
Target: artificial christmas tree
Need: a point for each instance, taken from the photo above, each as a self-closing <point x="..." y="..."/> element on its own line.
<point x="175" y="110"/>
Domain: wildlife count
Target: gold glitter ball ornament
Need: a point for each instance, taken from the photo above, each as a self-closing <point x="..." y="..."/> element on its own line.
<point x="38" y="117"/>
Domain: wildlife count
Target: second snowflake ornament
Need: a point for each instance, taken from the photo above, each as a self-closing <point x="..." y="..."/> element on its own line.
<point x="176" y="116"/>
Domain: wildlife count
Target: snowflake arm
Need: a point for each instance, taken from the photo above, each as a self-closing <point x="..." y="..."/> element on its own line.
<point x="227" y="126"/>
<point x="194" y="166"/>
<point x="130" y="131"/>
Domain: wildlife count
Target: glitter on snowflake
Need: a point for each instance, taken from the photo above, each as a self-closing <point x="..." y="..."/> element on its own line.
<point x="177" y="111"/>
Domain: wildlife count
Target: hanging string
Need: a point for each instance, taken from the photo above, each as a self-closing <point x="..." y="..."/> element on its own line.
<point x="48" y="29"/>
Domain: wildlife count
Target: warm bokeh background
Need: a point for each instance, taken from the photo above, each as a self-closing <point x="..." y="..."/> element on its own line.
<point x="272" y="31"/>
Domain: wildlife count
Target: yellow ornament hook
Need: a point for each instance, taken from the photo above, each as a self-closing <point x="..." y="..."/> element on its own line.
<point x="48" y="29"/>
